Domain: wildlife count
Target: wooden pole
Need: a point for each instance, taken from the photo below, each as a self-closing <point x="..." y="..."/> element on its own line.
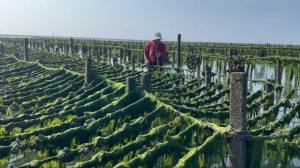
<point x="179" y="50"/>
<point x="238" y="95"/>
<point x="1" y="49"/>
<point x="109" y="57"/>
<point x="72" y="45"/>
<point x="269" y="89"/>
<point x="146" y="81"/>
<point x="121" y="55"/>
<point x="207" y="74"/>
<point x="26" y="49"/>
<point x="142" y="53"/>
<point x="278" y="72"/>
<point x="130" y="84"/>
<point x="173" y="59"/>
<point x="88" y="70"/>
<point x="199" y="65"/>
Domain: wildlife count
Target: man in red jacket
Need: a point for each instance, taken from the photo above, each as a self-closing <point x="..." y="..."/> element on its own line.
<point x="155" y="51"/>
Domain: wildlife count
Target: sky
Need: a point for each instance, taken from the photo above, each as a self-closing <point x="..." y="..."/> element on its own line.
<point x="236" y="21"/>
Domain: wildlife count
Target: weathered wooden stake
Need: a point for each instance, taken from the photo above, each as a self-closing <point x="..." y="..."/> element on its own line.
<point x="121" y="56"/>
<point x="269" y="89"/>
<point x="109" y="57"/>
<point x="130" y="57"/>
<point x="229" y="52"/>
<point x="278" y="72"/>
<point x="130" y="84"/>
<point x="88" y="70"/>
<point x="173" y="59"/>
<point x="1" y="49"/>
<point x="238" y="95"/>
<point x="26" y="49"/>
<point x="141" y="45"/>
<point x="238" y="151"/>
<point x="146" y="81"/>
<point x="199" y="66"/>
<point x="100" y="52"/>
<point x="142" y="53"/>
<point x="250" y="76"/>
<point x="178" y="51"/>
<point x="72" y="45"/>
<point x="207" y="74"/>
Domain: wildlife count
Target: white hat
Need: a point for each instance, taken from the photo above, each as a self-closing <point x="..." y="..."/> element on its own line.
<point x="157" y="35"/>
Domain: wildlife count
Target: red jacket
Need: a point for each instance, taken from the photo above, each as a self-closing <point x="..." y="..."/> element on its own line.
<point x="150" y="53"/>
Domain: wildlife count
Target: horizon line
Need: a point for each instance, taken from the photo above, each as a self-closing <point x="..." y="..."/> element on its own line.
<point x="132" y="40"/>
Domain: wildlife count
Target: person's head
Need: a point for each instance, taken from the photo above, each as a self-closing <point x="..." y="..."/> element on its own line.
<point x="157" y="38"/>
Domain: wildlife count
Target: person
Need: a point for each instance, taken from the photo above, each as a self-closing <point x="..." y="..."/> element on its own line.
<point x="155" y="51"/>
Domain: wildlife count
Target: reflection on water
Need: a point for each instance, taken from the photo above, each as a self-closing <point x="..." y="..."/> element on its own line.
<point x="258" y="73"/>
<point x="290" y="76"/>
<point x="276" y="153"/>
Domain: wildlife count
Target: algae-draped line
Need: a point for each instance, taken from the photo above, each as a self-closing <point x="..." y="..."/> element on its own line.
<point x="192" y="151"/>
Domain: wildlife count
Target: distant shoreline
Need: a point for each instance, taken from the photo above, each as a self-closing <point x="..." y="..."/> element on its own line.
<point x="131" y="40"/>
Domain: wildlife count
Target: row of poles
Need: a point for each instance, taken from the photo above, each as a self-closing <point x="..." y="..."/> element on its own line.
<point x="72" y="50"/>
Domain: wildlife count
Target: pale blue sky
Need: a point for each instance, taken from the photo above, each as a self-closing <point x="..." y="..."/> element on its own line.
<point x="254" y="21"/>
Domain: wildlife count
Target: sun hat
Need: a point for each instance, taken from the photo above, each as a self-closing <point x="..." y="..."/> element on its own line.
<point x="157" y="35"/>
